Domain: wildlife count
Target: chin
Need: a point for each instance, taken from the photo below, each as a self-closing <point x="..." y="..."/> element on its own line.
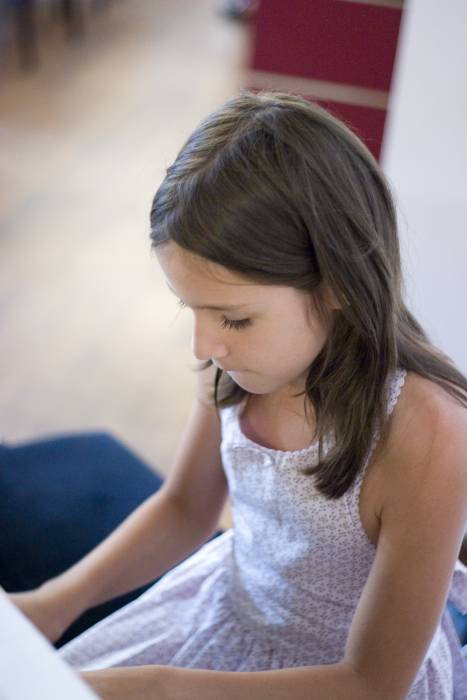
<point x="252" y="383"/>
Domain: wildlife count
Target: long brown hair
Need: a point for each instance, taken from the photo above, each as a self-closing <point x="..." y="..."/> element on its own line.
<point x="274" y="188"/>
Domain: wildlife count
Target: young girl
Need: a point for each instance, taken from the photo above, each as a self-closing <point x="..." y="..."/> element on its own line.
<point x="338" y="430"/>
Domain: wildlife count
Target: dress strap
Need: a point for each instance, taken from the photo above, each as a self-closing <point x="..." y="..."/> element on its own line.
<point x="396" y="383"/>
<point x="394" y="387"/>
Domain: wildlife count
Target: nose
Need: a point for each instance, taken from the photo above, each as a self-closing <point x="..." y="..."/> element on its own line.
<point x="206" y="342"/>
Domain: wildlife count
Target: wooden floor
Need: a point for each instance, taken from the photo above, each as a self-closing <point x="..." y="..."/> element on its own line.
<point x="91" y="338"/>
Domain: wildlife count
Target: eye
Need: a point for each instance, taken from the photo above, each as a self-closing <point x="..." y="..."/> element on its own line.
<point x="237" y="325"/>
<point x="226" y="322"/>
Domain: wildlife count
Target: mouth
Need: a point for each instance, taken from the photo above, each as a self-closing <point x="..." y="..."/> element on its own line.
<point x="226" y="369"/>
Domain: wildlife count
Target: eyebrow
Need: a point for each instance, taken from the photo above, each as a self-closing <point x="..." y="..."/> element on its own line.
<point x="210" y="307"/>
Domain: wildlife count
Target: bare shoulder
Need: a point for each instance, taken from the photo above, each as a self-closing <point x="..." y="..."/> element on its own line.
<point x="422" y="521"/>
<point x="427" y="433"/>
<point x="425" y="415"/>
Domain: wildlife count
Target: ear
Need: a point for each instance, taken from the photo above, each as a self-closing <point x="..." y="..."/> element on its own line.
<point x="330" y="298"/>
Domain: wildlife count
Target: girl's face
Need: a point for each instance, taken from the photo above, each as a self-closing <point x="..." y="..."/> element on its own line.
<point x="264" y="336"/>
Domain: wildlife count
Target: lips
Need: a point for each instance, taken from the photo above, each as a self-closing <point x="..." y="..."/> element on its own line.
<point x="225" y="369"/>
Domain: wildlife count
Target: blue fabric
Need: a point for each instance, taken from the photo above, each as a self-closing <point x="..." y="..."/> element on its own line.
<point x="460" y="622"/>
<point x="58" y="499"/>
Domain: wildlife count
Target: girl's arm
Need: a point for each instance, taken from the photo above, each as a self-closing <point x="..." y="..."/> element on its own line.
<point x="422" y="523"/>
<point x="164" y="530"/>
<point x="423" y="520"/>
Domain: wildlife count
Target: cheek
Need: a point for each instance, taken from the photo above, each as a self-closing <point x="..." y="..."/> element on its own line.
<point x="315" y="331"/>
<point x="301" y="345"/>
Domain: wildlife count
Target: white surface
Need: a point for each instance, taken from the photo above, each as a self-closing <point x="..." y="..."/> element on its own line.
<point x="29" y="666"/>
<point x="425" y="158"/>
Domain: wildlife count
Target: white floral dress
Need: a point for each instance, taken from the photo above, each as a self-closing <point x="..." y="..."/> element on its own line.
<point x="277" y="590"/>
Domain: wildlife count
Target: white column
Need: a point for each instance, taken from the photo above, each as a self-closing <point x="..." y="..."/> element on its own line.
<point x="425" y="158"/>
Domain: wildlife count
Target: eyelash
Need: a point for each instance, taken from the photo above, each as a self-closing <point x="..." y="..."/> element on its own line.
<point x="226" y="322"/>
<point x="235" y="325"/>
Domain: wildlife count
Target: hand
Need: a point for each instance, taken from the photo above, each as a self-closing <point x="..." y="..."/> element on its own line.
<point x="47" y="608"/>
<point x="135" y="682"/>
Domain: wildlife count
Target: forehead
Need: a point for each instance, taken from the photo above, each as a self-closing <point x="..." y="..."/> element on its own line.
<point x="186" y="272"/>
<point x="201" y="283"/>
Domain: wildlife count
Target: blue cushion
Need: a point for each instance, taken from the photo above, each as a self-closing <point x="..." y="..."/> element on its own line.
<point x="58" y="499"/>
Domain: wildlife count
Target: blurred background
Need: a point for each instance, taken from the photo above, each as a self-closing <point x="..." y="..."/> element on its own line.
<point x="92" y="111"/>
<point x="97" y="97"/>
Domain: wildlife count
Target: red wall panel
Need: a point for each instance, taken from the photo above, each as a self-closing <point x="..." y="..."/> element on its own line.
<point x="366" y="122"/>
<point x="333" y="40"/>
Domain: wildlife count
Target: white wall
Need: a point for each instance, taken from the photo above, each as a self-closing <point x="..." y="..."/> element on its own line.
<point x="425" y="158"/>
